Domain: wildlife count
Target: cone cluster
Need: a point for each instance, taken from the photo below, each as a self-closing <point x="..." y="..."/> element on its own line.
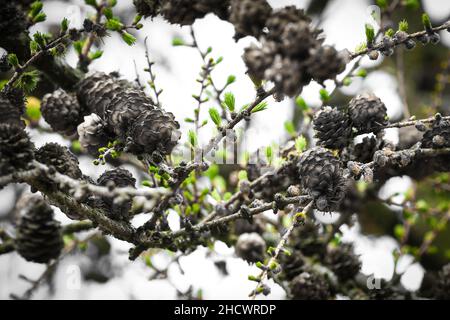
<point x="126" y="114"/>
<point x="334" y="128"/>
<point x="183" y="12"/>
<point x="291" y="53"/>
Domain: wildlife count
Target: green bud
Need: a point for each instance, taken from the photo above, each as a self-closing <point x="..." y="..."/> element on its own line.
<point x="177" y="42"/>
<point x="114" y="24"/>
<point x="260" y="107"/>
<point x="215" y="116"/>
<point x="192" y="138"/>
<point x="403" y="25"/>
<point x="107" y="12"/>
<point x="301" y="103"/>
<point x="147" y="183"/>
<point x="253" y="278"/>
<point x="64" y="25"/>
<point x="300" y="144"/>
<point x="231" y="79"/>
<point x="324" y="95"/>
<point x="389" y="33"/>
<point x="128" y="38"/>
<point x="35" y="8"/>
<point x="40" y="17"/>
<point x="91" y="3"/>
<point x="13" y="60"/>
<point x="370" y="33"/>
<point x="426" y="22"/>
<point x="95" y="55"/>
<point x="361" y="73"/>
<point x="230" y="101"/>
<point x="290" y="128"/>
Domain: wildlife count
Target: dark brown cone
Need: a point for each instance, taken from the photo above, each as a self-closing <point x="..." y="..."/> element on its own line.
<point x="64" y="161"/>
<point x="343" y="261"/>
<point x="61" y="111"/>
<point x="368" y="113"/>
<point x="249" y="17"/>
<point x="152" y="131"/>
<point x="117" y="209"/>
<point x="321" y="176"/>
<point x="11" y="110"/>
<point x="325" y="63"/>
<point x="309" y="286"/>
<point x="39" y="237"/>
<point x="16" y="149"/>
<point x="333" y="128"/>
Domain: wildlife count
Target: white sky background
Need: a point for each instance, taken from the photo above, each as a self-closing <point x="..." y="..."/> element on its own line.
<point x="176" y="68"/>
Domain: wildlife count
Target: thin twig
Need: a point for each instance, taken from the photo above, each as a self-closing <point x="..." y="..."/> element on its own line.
<point x="297" y="220"/>
<point x="414" y="36"/>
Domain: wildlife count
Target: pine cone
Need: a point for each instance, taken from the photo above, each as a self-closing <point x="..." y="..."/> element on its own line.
<point x="185" y="12"/>
<point x="117" y="209"/>
<point x="249" y="17"/>
<point x="258" y="60"/>
<point x="309" y="286"/>
<point x="152" y="131"/>
<point x="39" y="237"/>
<point x="368" y="113"/>
<point x="333" y="128"/>
<point x="288" y="76"/>
<point x="438" y="136"/>
<point x="343" y="261"/>
<point x="352" y="201"/>
<point x="321" y="176"/>
<point x="16" y="149"/>
<point x="12" y="21"/>
<point x="130" y="116"/>
<point x="436" y="284"/>
<point x="298" y="39"/>
<point x="250" y="247"/>
<point x="64" y="161"/>
<point x="443" y="284"/>
<point x="96" y="92"/>
<point x="93" y="134"/>
<point x="125" y="108"/>
<point x="11" y="109"/>
<point x="61" y="111"/>
<point x="280" y="18"/>
<point x="306" y="239"/>
<point x="244" y="226"/>
<point x="291" y="265"/>
<point x="364" y="151"/>
<point x="325" y="63"/>
<point x="148" y="8"/>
